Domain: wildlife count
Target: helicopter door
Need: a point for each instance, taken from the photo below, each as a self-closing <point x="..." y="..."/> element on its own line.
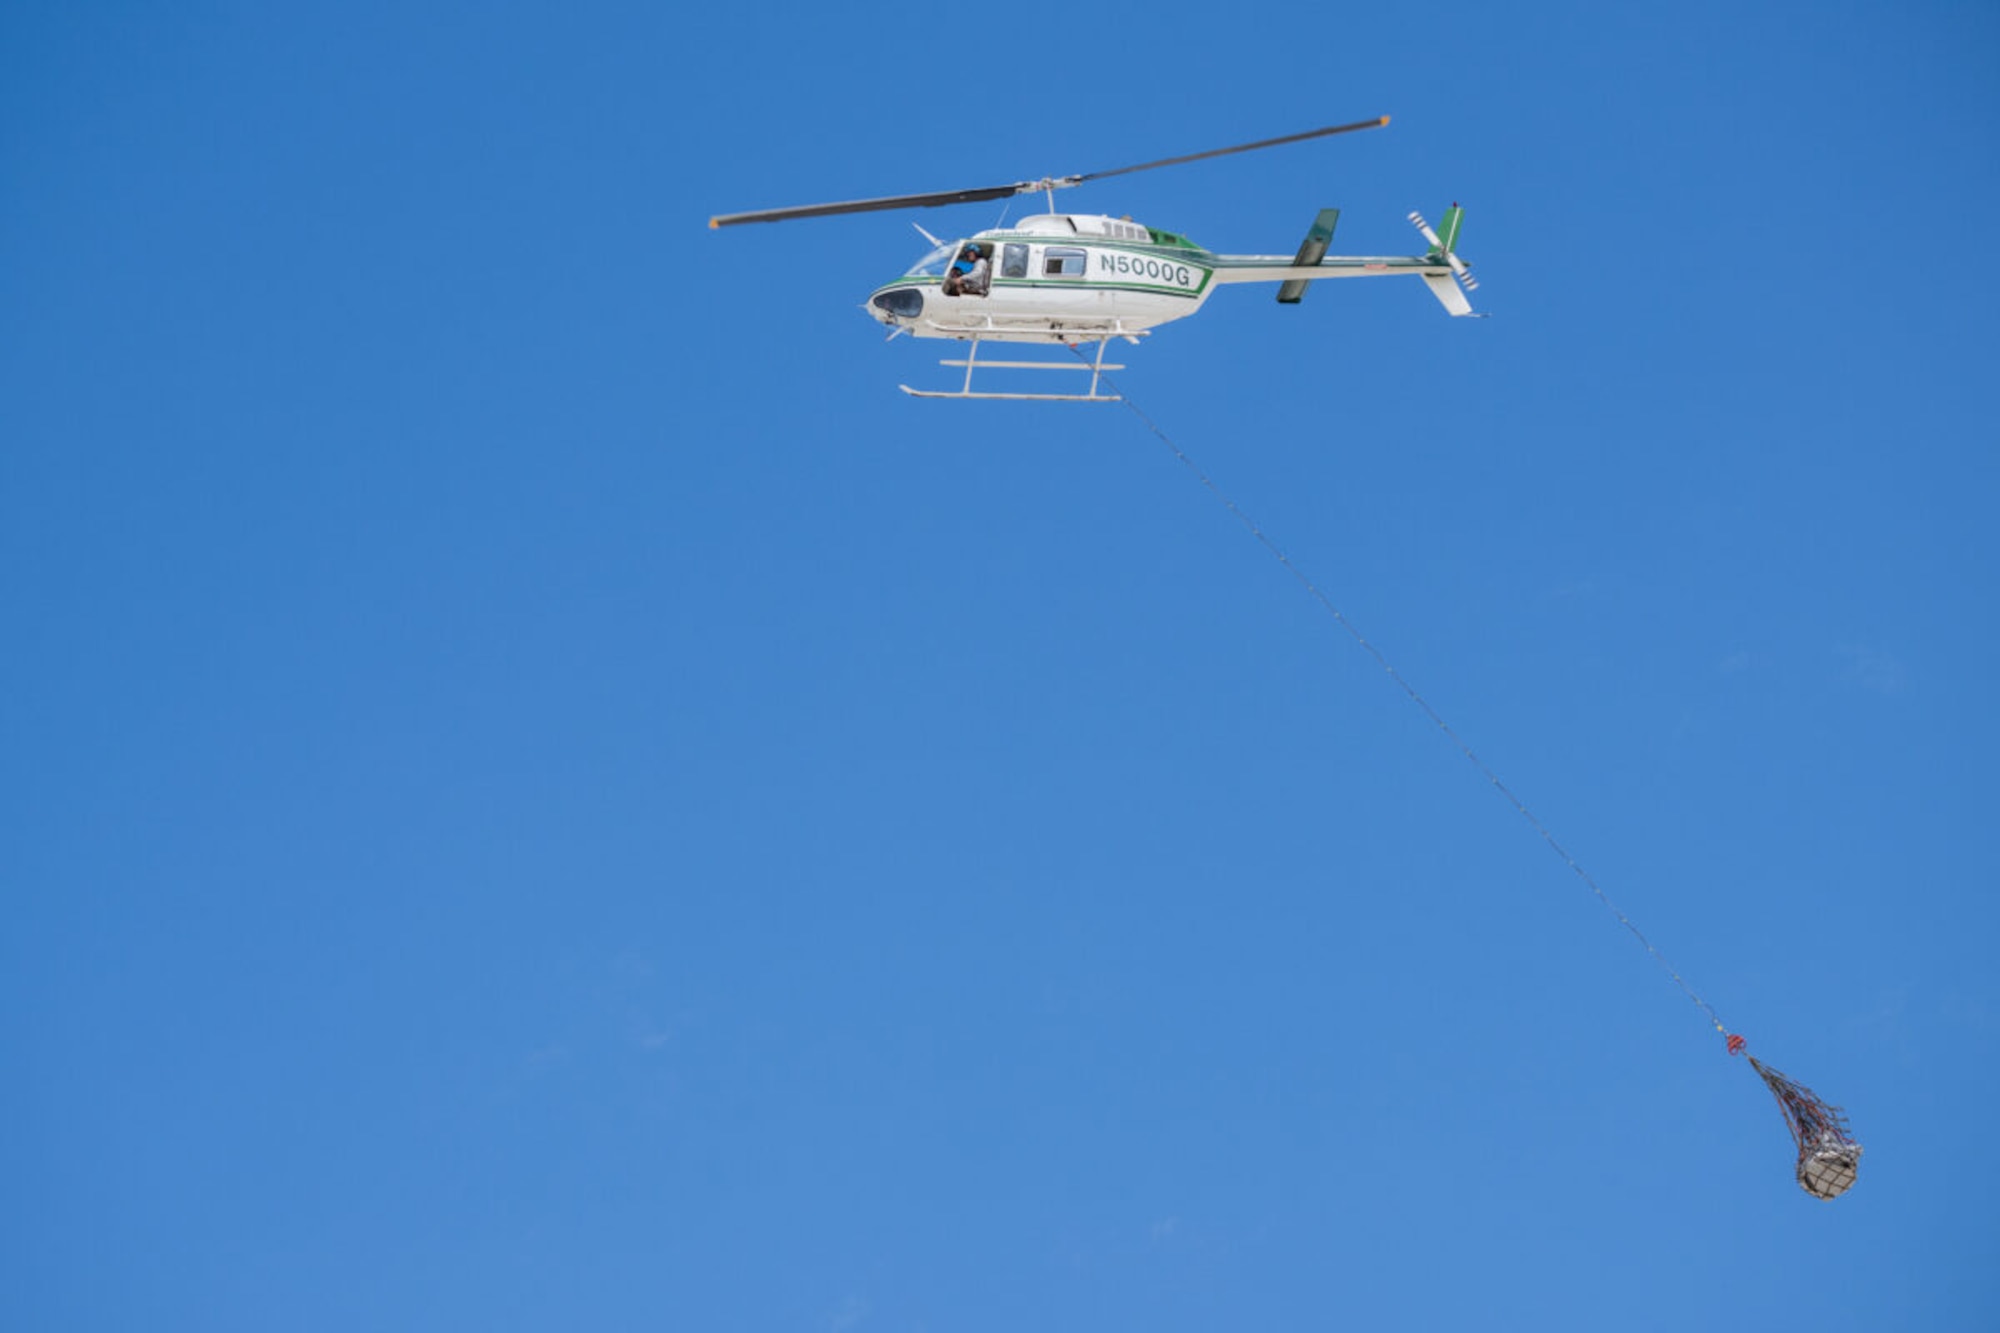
<point x="961" y="268"/>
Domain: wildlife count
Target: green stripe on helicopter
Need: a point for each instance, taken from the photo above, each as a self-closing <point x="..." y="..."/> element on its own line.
<point x="1064" y="284"/>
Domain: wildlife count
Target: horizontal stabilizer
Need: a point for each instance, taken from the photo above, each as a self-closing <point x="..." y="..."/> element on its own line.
<point x="1447" y="293"/>
<point x="1311" y="251"/>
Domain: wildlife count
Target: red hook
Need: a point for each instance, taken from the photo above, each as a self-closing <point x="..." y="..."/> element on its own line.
<point x="1736" y="1044"/>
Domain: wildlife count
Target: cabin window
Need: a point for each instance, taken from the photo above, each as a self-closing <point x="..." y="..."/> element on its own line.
<point x="1061" y="262"/>
<point x="1013" y="261"/>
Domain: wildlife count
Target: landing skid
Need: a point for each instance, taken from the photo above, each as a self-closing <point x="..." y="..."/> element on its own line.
<point x="1095" y="369"/>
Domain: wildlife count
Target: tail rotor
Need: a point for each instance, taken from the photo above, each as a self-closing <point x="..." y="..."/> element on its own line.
<point x="1441" y="246"/>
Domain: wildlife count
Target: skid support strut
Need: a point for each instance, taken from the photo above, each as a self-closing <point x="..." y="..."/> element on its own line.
<point x="1096" y="370"/>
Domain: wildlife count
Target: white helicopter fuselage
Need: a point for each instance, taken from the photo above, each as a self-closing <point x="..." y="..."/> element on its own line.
<point x="1077" y="277"/>
<point x="1056" y="277"/>
<point x="1061" y="277"/>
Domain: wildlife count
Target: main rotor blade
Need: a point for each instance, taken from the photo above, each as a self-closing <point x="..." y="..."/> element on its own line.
<point x="877" y="205"/>
<point x="1239" y="148"/>
<point x="1018" y="187"/>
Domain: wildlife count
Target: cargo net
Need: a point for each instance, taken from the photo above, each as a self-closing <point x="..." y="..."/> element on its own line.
<point x="1829" y="1158"/>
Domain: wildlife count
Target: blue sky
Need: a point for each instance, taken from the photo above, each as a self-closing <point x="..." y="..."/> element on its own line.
<point x="540" y="792"/>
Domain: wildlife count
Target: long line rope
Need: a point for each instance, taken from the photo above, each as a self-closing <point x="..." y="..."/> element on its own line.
<point x="1491" y="777"/>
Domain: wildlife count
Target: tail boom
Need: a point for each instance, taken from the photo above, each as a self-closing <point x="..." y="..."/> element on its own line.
<point x="1440" y="268"/>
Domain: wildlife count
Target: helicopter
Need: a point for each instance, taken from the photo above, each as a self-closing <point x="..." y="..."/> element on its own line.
<point x="1076" y="278"/>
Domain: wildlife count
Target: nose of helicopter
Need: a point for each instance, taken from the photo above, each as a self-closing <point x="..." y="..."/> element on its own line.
<point x="896" y="303"/>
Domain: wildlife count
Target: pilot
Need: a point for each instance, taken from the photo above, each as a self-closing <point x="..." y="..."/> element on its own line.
<point x="971" y="276"/>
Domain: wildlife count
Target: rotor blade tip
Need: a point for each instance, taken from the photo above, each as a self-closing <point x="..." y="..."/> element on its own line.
<point x="1383" y="121"/>
<point x="713" y="223"/>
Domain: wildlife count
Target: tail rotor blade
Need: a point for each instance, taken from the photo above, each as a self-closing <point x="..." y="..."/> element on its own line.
<point x="1457" y="265"/>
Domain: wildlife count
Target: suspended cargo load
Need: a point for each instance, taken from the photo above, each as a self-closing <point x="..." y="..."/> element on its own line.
<point x="1829" y="1158"/>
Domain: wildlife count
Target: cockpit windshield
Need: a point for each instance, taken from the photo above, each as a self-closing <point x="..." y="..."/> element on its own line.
<point x="933" y="264"/>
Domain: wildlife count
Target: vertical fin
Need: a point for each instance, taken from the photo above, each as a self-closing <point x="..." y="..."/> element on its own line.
<point x="1447" y="232"/>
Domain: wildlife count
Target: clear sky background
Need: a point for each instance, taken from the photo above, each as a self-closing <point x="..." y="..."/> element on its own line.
<point x="541" y="793"/>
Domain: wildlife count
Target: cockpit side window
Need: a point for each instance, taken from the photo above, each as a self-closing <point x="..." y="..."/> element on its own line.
<point x="933" y="264"/>
<point x="1013" y="261"/>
